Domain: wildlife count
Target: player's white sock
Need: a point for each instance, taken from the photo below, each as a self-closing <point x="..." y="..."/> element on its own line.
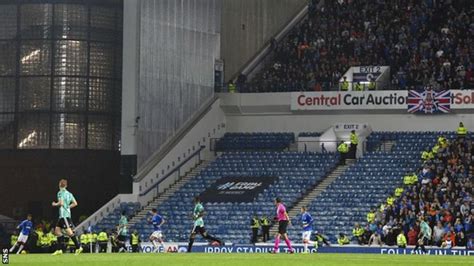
<point x="12" y="248"/>
<point x="305" y="246"/>
<point x="155" y="245"/>
<point x="20" y="249"/>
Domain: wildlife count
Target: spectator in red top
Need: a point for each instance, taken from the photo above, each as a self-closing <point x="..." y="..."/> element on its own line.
<point x="412" y="236"/>
<point x="317" y="87"/>
<point x="447" y="218"/>
<point x="301" y="49"/>
<point x="449" y="240"/>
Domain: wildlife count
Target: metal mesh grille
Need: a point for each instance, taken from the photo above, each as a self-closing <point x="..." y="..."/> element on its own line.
<point x="7" y="58"/>
<point x="69" y="94"/>
<point x="100" y="132"/>
<point x="35" y="93"/>
<point x="7" y="95"/>
<point x="7" y="130"/>
<point x="33" y="131"/>
<point x="68" y="131"/>
<point x="101" y="95"/>
<point x="35" y="58"/>
<point x="8" y="22"/>
<point x="103" y="24"/>
<point x="60" y="69"/>
<point x="70" y="58"/>
<point x="70" y="22"/>
<point x="36" y="21"/>
<point x="102" y="59"/>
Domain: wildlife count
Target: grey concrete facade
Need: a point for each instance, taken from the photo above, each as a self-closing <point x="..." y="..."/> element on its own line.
<point x="247" y="25"/>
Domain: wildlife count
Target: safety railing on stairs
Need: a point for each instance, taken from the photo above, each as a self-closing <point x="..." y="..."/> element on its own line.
<point x="104" y="211"/>
<point x="176" y="169"/>
<point x="115" y="202"/>
<point x="265" y="54"/>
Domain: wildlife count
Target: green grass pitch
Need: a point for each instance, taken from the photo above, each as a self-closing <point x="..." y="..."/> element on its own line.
<point x="169" y="259"/>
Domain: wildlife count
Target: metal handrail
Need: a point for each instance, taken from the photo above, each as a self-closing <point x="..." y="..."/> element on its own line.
<point x="213" y="141"/>
<point x="267" y="50"/>
<point x="176" y="168"/>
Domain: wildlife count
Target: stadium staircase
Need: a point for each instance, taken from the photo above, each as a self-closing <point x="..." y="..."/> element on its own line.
<point x="386" y="146"/>
<point x="296" y="173"/>
<point x="294" y="211"/>
<point x="336" y="196"/>
<point x="157" y="201"/>
<point x="137" y="212"/>
<point x="293" y="147"/>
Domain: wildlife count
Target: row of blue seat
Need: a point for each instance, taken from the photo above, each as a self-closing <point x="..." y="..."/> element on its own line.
<point x="254" y="141"/>
<point x="289" y="186"/>
<point x="347" y="200"/>
<point x="367" y="183"/>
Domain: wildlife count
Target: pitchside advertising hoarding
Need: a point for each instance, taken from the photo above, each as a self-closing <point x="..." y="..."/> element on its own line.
<point x="147" y="247"/>
<point x="423" y="101"/>
<point x="237" y="188"/>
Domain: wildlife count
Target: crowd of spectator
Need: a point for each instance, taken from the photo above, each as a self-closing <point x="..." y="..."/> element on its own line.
<point x="425" y="43"/>
<point x="440" y="193"/>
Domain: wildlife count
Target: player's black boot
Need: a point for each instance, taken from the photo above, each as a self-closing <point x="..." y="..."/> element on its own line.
<point x="190" y="244"/>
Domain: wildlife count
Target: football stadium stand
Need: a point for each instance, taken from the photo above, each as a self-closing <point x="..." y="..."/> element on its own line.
<point x="423" y="42"/>
<point x="295" y="172"/>
<point x="110" y="222"/>
<point x="368" y="182"/>
<point x="346" y="198"/>
<point x="440" y="191"/>
<point x="357" y="110"/>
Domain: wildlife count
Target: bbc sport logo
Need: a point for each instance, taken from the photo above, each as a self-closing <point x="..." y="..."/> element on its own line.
<point x="5" y="256"/>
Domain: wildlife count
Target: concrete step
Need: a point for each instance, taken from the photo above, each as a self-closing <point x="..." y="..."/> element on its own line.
<point x="318" y="189"/>
<point x="168" y="192"/>
<point x="387" y="146"/>
<point x="293" y="146"/>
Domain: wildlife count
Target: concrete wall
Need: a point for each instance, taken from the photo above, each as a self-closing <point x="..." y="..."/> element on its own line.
<point x="249" y="24"/>
<point x="320" y="122"/>
<point x="212" y="125"/>
<point x="170" y="47"/>
<point x="130" y="73"/>
<point x="271" y="112"/>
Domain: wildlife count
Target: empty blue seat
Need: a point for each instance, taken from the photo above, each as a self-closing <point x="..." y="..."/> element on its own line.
<point x="345" y="201"/>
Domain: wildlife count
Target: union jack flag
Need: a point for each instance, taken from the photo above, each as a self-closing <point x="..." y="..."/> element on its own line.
<point x="428" y="101"/>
